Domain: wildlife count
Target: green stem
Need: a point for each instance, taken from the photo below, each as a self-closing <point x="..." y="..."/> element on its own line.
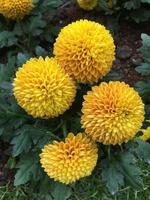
<point x="64" y="128"/>
<point x="121" y="148"/>
<point x="109" y="152"/>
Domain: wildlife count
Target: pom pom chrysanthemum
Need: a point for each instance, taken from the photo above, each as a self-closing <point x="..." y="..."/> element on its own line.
<point x="86" y="50"/>
<point x="15" y="9"/>
<point x="87" y="4"/>
<point x="112" y="113"/>
<point x="71" y="160"/>
<point x="43" y="89"/>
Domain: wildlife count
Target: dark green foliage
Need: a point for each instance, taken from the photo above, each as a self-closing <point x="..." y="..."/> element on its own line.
<point x="112" y="175"/>
<point x="121" y="168"/>
<point x="28" y="168"/>
<point x="64" y="192"/>
<point x="144" y="86"/>
<point x="143" y="150"/>
<point x="144" y="69"/>
<point x="132" y="9"/>
<point x="7" y="39"/>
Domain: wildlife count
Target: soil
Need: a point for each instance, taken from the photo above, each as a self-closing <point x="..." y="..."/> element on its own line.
<point x="6" y="175"/>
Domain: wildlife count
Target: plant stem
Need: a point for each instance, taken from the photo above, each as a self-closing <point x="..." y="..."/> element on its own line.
<point x="109" y="152"/>
<point x="121" y="148"/>
<point x="64" y="128"/>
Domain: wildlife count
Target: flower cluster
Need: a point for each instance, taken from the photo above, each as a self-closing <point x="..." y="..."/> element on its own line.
<point x="71" y="160"/>
<point x="43" y="89"/>
<point x="87" y="4"/>
<point x="86" y="50"/>
<point x="15" y="9"/>
<point x="112" y="112"/>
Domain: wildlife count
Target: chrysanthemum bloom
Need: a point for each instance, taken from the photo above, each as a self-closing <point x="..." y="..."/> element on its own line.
<point x="112" y="113"/>
<point x="85" y="49"/>
<point x="15" y="9"/>
<point x="146" y="134"/>
<point x="71" y="160"/>
<point x="87" y="4"/>
<point x="43" y="89"/>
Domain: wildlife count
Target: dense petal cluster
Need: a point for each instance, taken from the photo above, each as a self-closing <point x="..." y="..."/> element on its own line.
<point x="146" y="134"/>
<point x="15" y="9"/>
<point x="87" y="4"/>
<point x="112" y="113"/>
<point x="43" y="89"/>
<point x="71" y="160"/>
<point x="86" y="50"/>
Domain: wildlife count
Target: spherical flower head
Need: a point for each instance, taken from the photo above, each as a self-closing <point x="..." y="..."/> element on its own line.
<point x="71" y="160"/>
<point x="112" y="113"/>
<point x="85" y="49"/>
<point x="15" y="9"/>
<point x="146" y="134"/>
<point x="87" y="4"/>
<point x="43" y="89"/>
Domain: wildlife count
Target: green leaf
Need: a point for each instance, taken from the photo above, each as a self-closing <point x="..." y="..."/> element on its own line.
<point x="119" y="169"/>
<point x="144" y="69"/>
<point x="45" y="186"/>
<point x="143" y="150"/>
<point x="145" y="1"/>
<point x="11" y="163"/>
<point x="129" y="169"/>
<point x="40" y="51"/>
<point x="21" y="59"/>
<point x="52" y="3"/>
<point x="35" y="1"/>
<point x="75" y="124"/>
<point x="112" y="175"/>
<point x="140" y="15"/>
<point x="143" y="88"/>
<point x="1" y="131"/>
<point x="21" y="142"/>
<point x="36" y="25"/>
<point x="61" y="192"/>
<point x="145" y="49"/>
<point x="27" y="168"/>
<point x="6" y="85"/>
<point x="104" y="6"/>
<point x="7" y="39"/>
<point x="7" y="70"/>
<point x="133" y="4"/>
<point x="113" y="76"/>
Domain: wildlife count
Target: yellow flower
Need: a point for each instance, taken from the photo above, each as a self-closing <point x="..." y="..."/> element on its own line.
<point x="15" y="9"/>
<point x="85" y="49"/>
<point x="71" y="160"/>
<point x="87" y="4"/>
<point x="42" y="88"/>
<point x="112" y="113"/>
<point x="146" y="134"/>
